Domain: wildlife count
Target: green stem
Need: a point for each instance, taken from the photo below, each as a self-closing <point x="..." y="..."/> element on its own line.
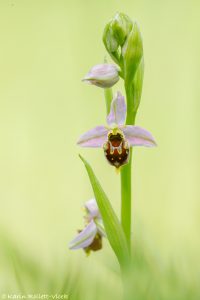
<point x="108" y="97"/>
<point x="126" y="200"/>
<point x="126" y="175"/>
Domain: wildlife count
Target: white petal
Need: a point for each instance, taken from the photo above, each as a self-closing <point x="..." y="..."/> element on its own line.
<point x="117" y="113"/>
<point x="85" y="237"/>
<point x="94" y="138"/>
<point x="137" y="136"/>
<point x="92" y="208"/>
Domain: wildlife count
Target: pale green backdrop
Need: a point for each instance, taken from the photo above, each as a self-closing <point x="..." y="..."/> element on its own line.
<point x="46" y="47"/>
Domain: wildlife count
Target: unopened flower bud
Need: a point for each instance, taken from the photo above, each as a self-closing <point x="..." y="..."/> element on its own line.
<point x="121" y="27"/>
<point x="116" y="32"/>
<point x="104" y="75"/>
<point x="109" y="39"/>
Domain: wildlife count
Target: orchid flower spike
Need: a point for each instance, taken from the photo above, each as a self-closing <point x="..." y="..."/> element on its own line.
<point x="117" y="138"/>
<point x="90" y="238"/>
<point x="104" y="75"/>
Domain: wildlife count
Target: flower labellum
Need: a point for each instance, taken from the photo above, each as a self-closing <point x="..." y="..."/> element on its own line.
<point x="116" y="149"/>
<point x="90" y="238"/>
<point x="117" y="138"/>
<point x="104" y="75"/>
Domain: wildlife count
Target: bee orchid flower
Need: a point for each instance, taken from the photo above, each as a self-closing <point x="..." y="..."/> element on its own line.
<point x="117" y="138"/>
<point x="90" y="238"/>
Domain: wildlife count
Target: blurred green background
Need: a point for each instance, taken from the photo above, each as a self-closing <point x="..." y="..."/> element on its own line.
<point x="46" y="47"/>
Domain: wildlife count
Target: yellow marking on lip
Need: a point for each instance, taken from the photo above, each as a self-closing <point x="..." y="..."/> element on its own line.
<point x="115" y="131"/>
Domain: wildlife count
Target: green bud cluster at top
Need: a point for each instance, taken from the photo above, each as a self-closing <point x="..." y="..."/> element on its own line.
<point x="116" y="31"/>
<point x="123" y="42"/>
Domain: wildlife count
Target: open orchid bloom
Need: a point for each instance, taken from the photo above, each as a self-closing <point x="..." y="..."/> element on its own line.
<point x="90" y="238"/>
<point x="104" y="75"/>
<point x="117" y="138"/>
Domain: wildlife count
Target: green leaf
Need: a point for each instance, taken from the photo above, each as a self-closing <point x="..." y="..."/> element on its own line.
<point x="132" y="53"/>
<point x="113" y="228"/>
<point x="137" y="85"/>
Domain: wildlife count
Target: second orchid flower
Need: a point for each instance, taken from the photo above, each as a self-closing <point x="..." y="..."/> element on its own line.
<point x="90" y="238"/>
